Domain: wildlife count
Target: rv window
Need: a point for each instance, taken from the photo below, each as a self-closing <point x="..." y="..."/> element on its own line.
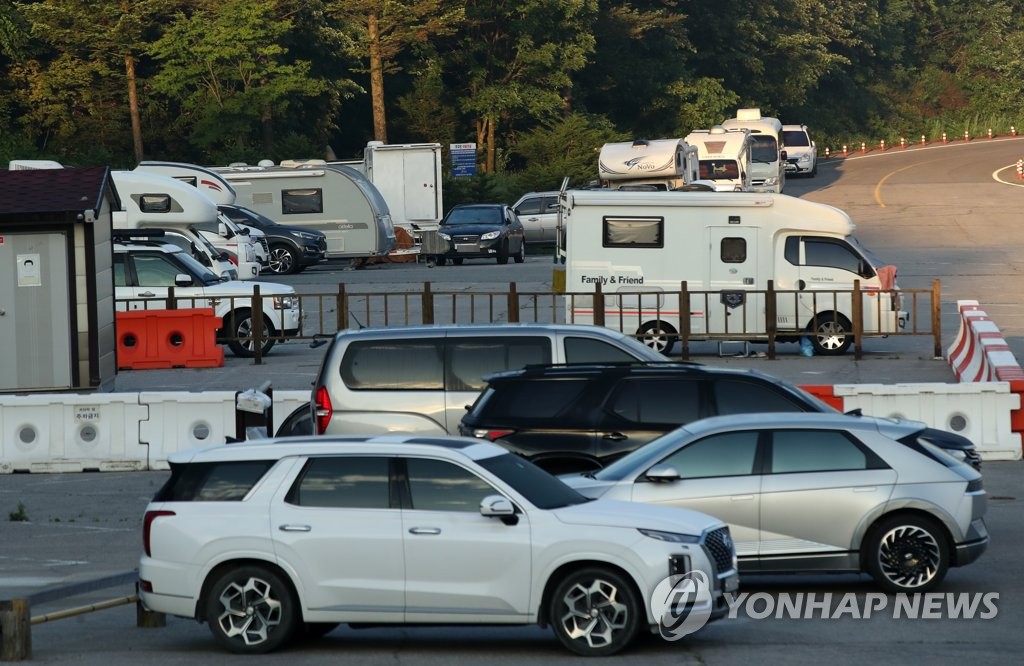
<point x="834" y="254"/>
<point x="302" y="201"/>
<point x="191" y="180"/>
<point x="155" y="203"/>
<point x="793" y="250"/>
<point x="634" y="232"/>
<point x="734" y="250"/>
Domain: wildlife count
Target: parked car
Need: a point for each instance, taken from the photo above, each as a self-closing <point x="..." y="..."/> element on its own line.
<point x="262" y="540"/>
<point x="144" y="271"/>
<point x="815" y="493"/>
<point x="480" y="231"/>
<point x="801" y="152"/>
<point x="582" y="417"/>
<point x="292" y="249"/>
<point x="422" y="378"/>
<point x="538" y="211"/>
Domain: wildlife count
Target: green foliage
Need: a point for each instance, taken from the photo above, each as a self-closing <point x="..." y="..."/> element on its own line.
<point x="20" y="515"/>
<point x="481" y="188"/>
<point x="565" y="147"/>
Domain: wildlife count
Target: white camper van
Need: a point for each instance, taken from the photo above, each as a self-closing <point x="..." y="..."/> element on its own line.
<point x="640" y="245"/>
<point x="154" y="201"/>
<point x="767" y="155"/>
<point x="661" y="164"/>
<point x="724" y="156"/>
<point x="333" y="198"/>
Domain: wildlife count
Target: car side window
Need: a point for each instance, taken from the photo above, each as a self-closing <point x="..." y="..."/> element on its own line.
<point x="530" y="206"/>
<point x="796" y="451"/>
<point x="588" y="350"/>
<point x="438" y="485"/>
<point x="539" y="401"/>
<point x="400" y="364"/>
<point x="343" y="482"/>
<point x="471" y="359"/>
<point x="120" y="272"/>
<point x="154" y="270"/>
<point x="228" y="481"/>
<point x="726" y="454"/>
<point x="743" y="397"/>
<point x="653" y="400"/>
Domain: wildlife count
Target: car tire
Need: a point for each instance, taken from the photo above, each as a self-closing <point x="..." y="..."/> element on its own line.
<point x="595" y="612"/>
<point x="283" y="260"/>
<point x="457" y="261"/>
<point x="830" y="333"/>
<point x="659" y="336"/>
<point x="907" y="553"/>
<point x="503" y="253"/>
<point x="251" y="610"/>
<point x="520" y="256"/>
<point x="238" y="325"/>
<point x="441" y="261"/>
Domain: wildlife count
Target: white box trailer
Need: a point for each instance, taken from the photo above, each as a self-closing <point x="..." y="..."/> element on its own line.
<point x="724" y="157"/>
<point x="663" y="164"/>
<point x="638" y="246"/>
<point x="767" y="155"/>
<point x="408" y="175"/>
<point x="333" y="198"/>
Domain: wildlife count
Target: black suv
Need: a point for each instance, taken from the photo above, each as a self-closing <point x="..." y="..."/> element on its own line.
<point x="292" y="249"/>
<point x="578" y="418"/>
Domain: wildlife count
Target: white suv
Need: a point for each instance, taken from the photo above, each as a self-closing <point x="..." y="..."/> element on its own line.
<point x="262" y="540"/>
<point x="801" y="152"/>
<point x="144" y="272"/>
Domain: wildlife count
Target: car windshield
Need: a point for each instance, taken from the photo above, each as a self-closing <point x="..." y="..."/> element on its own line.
<point x="764" y="149"/>
<point x="473" y="216"/>
<point x="200" y="271"/>
<point x="537" y="486"/>
<point x="644" y="457"/>
<point x="795" y="138"/>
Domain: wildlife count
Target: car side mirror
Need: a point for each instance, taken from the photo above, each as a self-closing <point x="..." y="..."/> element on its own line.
<point x="182" y="280"/>
<point x="783" y="154"/>
<point x="222" y="230"/>
<point x="662" y="473"/>
<point x="224" y="256"/>
<point x="498" y="506"/>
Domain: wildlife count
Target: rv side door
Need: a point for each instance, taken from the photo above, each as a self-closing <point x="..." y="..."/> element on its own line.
<point x="734" y="304"/>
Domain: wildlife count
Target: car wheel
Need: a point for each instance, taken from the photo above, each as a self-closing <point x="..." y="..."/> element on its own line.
<point x="520" y="256"/>
<point x="251" y="610"/>
<point x="503" y="253"/>
<point x="658" y="335"/>
<point x="830" y="334"/>
<point x="457" y="261"/>
<point x="907" y="554"/>
<point x="238" y="325"/>
<point x="594" y="612"/>
<point x="283" y="260"/>
<point x="441" y="261"/>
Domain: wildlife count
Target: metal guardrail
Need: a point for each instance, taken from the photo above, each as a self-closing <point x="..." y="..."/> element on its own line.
<point x="323" y="314"/>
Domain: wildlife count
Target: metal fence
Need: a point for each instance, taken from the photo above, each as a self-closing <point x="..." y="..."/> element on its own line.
<point x="750" y="315"/>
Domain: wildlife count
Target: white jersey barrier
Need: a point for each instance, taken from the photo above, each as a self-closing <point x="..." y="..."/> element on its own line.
<point x="74" y="432"/>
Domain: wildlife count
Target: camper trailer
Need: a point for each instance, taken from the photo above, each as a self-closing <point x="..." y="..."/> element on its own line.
<point x="333" y="198"/>
<point x="724" y="157"/>
<point x="661" y="164"/>
<point x="638" y="246"/>
<point x="767" y="154"/>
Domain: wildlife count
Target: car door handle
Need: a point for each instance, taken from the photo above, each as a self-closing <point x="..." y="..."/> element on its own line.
<point x="741" y="498"/>
<point x="295" y="528"/>
<point x="614" y="436"/>
<point x="865" y="489"/>
<point x="424" y="530"/>
<point x="147" y="294"/>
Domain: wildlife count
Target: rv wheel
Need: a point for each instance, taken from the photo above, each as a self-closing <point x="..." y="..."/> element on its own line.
<point x="658" y="335"/>
<point x="830" y="334"/>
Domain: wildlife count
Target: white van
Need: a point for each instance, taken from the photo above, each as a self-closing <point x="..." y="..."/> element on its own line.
<point x="767" y="155"/>
<point x="801" y="151"/>
<point x="724" y="156"/>
<point x="638" y="245"/>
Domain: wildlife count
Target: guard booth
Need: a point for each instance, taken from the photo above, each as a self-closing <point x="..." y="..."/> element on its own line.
<point x="56" y="280"/>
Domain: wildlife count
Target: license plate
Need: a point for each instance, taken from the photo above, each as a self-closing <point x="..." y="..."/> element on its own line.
<point x="465" y="247"/>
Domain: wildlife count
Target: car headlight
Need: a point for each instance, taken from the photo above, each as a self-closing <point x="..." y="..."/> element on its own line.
<point x="671" y="537"/>
<point x="771" y="181"/>
<point x="444" y="236"/>
<point x="250" y="253"/>
<point x="286" y="302"/>
<point x="490" y="235"/>
<point x="306" y="236"/>
<point x="805" y="158"/>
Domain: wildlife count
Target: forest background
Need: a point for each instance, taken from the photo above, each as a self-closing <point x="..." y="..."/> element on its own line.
<point x="538" y="85"/>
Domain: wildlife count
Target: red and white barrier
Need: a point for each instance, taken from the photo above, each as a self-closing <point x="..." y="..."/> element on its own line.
<point x="979" y="352"/>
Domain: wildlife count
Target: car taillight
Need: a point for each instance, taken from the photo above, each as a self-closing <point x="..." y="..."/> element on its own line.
<point x="147" y="528"/>
<point x="323" y="410"/>
<point x="491" y="435"/>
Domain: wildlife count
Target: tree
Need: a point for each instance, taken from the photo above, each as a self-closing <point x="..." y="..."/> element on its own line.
<point x="381" y="30"/>
<point x="14" y="29"/>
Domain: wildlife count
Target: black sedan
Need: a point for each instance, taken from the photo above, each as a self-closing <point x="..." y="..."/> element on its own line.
<point x="475" y="231"/>
<point x="292" y="249"/>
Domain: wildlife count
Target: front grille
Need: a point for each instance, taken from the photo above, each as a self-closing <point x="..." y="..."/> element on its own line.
<point x="720" y="549"/>
<point x="465" y="238"/>
<point x="263" y="242"/>
<point x="321" y="243"/>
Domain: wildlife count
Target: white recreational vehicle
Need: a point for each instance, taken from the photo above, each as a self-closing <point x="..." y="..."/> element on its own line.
<point x="724" y="157"/>
<point x="333" y="198"/>
<point x="767" y="155"/>
<point x="638" y="246"/>
<point x="661" y="164"/>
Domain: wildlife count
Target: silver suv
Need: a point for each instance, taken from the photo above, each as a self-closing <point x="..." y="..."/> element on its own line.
<point x="538" y="211"/>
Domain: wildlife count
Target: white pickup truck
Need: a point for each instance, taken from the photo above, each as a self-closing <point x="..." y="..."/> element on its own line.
<point x="144" y="271"/>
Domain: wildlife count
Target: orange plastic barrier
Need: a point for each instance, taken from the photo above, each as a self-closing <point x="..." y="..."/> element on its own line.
<point x="153" y="339"/>
<point x="826" y="393"/>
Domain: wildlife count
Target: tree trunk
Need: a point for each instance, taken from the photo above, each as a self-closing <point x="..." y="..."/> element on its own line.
<point x="380" y="128"/>
<point x="133" y="106"/>
<point x="490" y="145"/>
<point x="481" y="137"/>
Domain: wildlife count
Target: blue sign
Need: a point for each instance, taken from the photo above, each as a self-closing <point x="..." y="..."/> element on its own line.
<point x="463" y="159"/>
